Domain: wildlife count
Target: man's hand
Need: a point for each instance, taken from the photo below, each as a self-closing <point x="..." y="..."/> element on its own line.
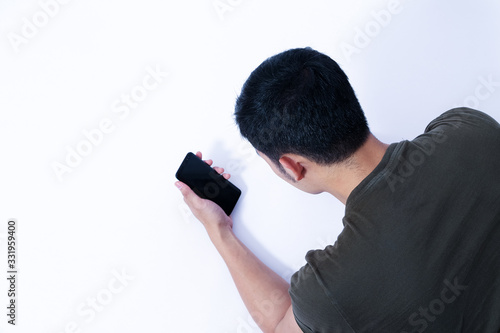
<point x="207" y="212"/>
<point x="264" y="293"/>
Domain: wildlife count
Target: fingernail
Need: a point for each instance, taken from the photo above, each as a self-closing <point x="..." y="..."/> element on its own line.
<point x="178" y="185"/>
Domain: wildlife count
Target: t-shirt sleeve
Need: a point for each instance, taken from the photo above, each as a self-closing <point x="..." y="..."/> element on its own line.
<point x="312" y="308"/>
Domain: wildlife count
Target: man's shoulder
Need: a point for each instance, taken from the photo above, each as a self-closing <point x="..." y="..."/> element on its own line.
<point x="463" y="118"/>
<point x="469" y="131"/>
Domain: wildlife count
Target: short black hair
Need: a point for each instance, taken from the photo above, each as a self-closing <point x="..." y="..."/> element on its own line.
<point x="301" y="102"/>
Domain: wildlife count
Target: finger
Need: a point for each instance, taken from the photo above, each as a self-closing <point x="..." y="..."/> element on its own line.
<point x="226" y="175"/>
<point x="219" y="170"/>
<point x="200" y="156"/>
<point x="186" y="192"/>
<point x="183" y="188"/>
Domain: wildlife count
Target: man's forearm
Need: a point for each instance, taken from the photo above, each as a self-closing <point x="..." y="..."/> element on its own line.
<point x="264" y="292"/>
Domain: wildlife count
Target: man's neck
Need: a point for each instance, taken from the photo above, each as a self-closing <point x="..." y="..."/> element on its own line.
<point x="342" y="179"/>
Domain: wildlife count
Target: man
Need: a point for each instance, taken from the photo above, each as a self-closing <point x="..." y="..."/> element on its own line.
<point x="420" y="248"/>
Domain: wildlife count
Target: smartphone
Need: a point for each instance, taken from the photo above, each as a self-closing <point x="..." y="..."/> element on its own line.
<point x="207" y="183"/>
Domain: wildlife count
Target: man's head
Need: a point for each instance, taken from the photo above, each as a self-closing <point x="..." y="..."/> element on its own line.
<point x="300" y="103"/>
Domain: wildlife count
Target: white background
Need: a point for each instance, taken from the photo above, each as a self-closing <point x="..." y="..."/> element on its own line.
<point x="118" y="210"/>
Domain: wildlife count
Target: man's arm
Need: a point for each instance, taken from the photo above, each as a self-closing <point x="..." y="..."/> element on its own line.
<point x="264" y="292"/>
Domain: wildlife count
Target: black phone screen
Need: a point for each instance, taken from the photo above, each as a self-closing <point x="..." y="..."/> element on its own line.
<point x="207" y="183"/>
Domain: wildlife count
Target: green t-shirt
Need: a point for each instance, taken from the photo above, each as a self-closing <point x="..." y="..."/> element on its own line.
<point x="420" y="248"/>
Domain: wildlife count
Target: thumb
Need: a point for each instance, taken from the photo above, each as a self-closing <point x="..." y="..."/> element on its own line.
<point x="189" y="196"/>
<point x="183" y="188"/>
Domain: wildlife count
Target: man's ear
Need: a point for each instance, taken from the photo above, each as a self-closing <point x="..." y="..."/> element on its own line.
<point x="293" y="167"/>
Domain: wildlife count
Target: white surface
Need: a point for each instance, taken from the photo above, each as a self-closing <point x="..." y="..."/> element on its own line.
<point x="118" y="210"/>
